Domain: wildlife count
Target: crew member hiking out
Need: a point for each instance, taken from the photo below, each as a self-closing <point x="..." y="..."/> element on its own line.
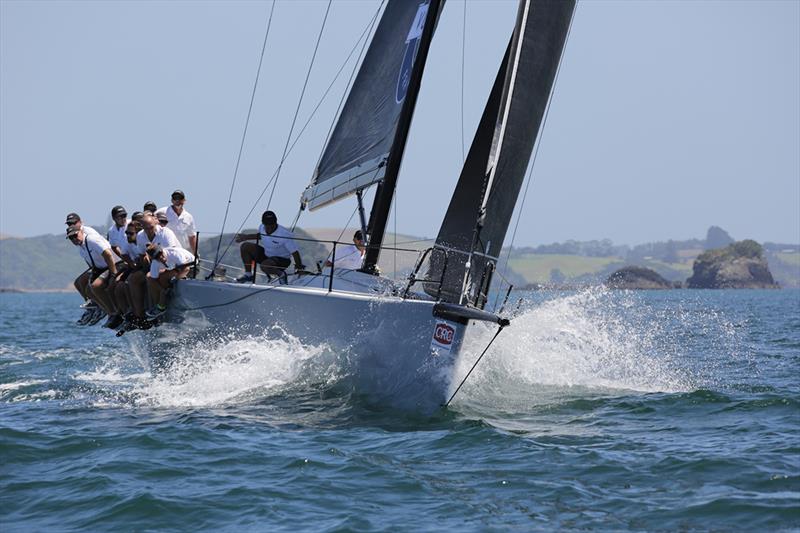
<point x="93" y="313"/>
<point x="180" y="221"/>
<point x="97" y="253"/>
<point x="166" y="264"/>
<point x="275" y="244"/>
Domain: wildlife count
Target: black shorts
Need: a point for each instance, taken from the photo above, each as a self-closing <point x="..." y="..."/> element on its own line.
<point x="280" y="262"/>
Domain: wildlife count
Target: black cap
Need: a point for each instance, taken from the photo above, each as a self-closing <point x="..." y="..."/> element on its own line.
<point x="154" y="250"/>
<point x="118" y="211"/>
<point x="269" y="217"/>
<point x="177" y="194"/>
<point x="72" y="231"/>
<point x="150" y="206"/>
<point x="72" y="218"/>
<point x="358" y="235"/>
<point x="137" y="215"/>
<point x="162" y="217"/>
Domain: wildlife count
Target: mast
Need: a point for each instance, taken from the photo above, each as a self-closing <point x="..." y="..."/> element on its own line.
<point x="385" y="192"/>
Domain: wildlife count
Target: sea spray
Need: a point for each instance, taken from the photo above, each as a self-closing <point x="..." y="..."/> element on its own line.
<point x="594" y="341"/>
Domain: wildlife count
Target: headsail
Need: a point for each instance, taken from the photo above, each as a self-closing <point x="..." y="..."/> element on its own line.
<point x="356" y="153"/>
<point x="475" y="225"/>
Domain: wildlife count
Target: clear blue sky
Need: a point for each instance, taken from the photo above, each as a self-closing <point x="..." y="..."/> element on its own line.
<point x="668" y="117"/>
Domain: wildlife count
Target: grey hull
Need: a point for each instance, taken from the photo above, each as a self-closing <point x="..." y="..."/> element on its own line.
<point x="388" y="340"/>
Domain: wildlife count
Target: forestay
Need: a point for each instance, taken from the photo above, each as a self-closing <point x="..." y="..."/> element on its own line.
<point x="359" y="146"/>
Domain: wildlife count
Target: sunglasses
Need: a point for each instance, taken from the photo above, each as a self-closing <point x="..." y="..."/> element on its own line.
<point x="73" y="237"/>
<point x="163" y="222"/>
<point x="130" y="233"/>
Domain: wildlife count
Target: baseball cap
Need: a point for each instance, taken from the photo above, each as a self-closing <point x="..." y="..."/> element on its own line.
<point x="358" y="235"/>
<point x="137" y="215"/>
<point x="118" y="211"/>
<point x="177" y="194"/>
<point x="162" y="217"/>
<point x="269" y="216"/>
<point x="150" y="206"/>
<point x="72" y="218"/>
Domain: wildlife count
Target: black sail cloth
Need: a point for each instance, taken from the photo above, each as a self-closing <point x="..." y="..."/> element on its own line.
<point x="480" y="210"/>
<point x="359" y="145"/>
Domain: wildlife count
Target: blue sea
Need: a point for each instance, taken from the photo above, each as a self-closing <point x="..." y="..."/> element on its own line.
<point x="596" y="410"/>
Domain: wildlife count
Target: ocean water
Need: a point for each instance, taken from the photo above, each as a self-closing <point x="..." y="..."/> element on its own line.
<point x="599" y="410"/>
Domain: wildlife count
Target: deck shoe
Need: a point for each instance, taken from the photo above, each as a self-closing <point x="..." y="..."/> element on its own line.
<point x="87" y="315"/>
<point x="97" y="316"/>
<point x="245" y="278"/>
<point x="113" y="321"/>
<point x="155" y="312"/>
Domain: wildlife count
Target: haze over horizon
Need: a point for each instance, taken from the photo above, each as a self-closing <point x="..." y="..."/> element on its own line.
<point x="667" y="117"/>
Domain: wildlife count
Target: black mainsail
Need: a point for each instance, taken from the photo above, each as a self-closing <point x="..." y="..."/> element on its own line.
<point x="366" y="132"/>
<point x="475" y="225"/>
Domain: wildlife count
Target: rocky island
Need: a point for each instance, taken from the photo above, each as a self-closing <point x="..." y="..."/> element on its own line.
<point x="637" y="278"/>
<point x="740" y="265"/>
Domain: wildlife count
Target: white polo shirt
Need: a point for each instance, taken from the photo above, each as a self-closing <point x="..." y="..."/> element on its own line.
<point x="116" y="236"/>
<point x="175" y="257"/>
<point x="280" y="243"/>
<point x="182" y="225"/>
<point x="164" y="237"/>
<point x="348" y="256"/>
<point x="92" y="248"/>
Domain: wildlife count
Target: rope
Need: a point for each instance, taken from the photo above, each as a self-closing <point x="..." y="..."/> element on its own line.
<point x="300" y="134"/>
<point x="299" y="103"/>
<point x="244" y="133"/>
<point x="536" y="153"/>
<point x="463" y="48"/>
<point x="474" y="365"/>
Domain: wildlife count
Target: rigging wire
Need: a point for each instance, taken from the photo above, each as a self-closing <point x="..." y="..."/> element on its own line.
<point x="299" y="103"/>
<point x="463" y="48"/>
<point x="364" y="33"/>
<point x="474" y="365"/>
<point x="536" y="153"/>
<point x="350" y="80"/>
<point x="244" y="132"/>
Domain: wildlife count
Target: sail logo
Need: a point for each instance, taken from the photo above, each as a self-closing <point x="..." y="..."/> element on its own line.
<point x="443" y="336"/>
<point x="412" y="43"/>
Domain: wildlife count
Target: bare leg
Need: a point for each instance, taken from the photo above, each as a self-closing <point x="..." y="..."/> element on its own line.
<point x="82" y="285"/>
<point x="154" y="290"/>
<point x="101" y="297"/>
<point x="249" y="252"/>
<point x="136" y="288"/>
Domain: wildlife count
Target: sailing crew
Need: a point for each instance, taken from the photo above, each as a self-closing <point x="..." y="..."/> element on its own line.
<point x="350" y="256"/>
<point x="272" y="249"/>
<point x="151" y="232"/>
<point x="116" y="232"/>
<point x="122" y="293"/>
<point x="180" y="221"/>
<point x="97" y="253"/>
<point x="162" y="219"/>
<point x="93" y="313"/>
<point x="166" y="264"/>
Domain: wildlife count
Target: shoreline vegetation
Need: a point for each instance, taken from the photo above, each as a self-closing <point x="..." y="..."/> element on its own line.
<point x="48" y="263"/>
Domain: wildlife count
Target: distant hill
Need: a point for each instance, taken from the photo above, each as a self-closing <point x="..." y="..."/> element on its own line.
<point x="50" y="262"/>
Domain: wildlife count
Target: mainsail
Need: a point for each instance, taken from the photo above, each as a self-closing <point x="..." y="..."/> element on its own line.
<point x="359" y="146"/>
<point x="475" y="225"/>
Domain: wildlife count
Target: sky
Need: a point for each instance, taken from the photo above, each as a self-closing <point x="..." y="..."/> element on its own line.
<point x="667" y="117"/>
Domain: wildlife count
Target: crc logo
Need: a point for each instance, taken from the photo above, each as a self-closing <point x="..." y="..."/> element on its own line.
<point x="444" y="334"/>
